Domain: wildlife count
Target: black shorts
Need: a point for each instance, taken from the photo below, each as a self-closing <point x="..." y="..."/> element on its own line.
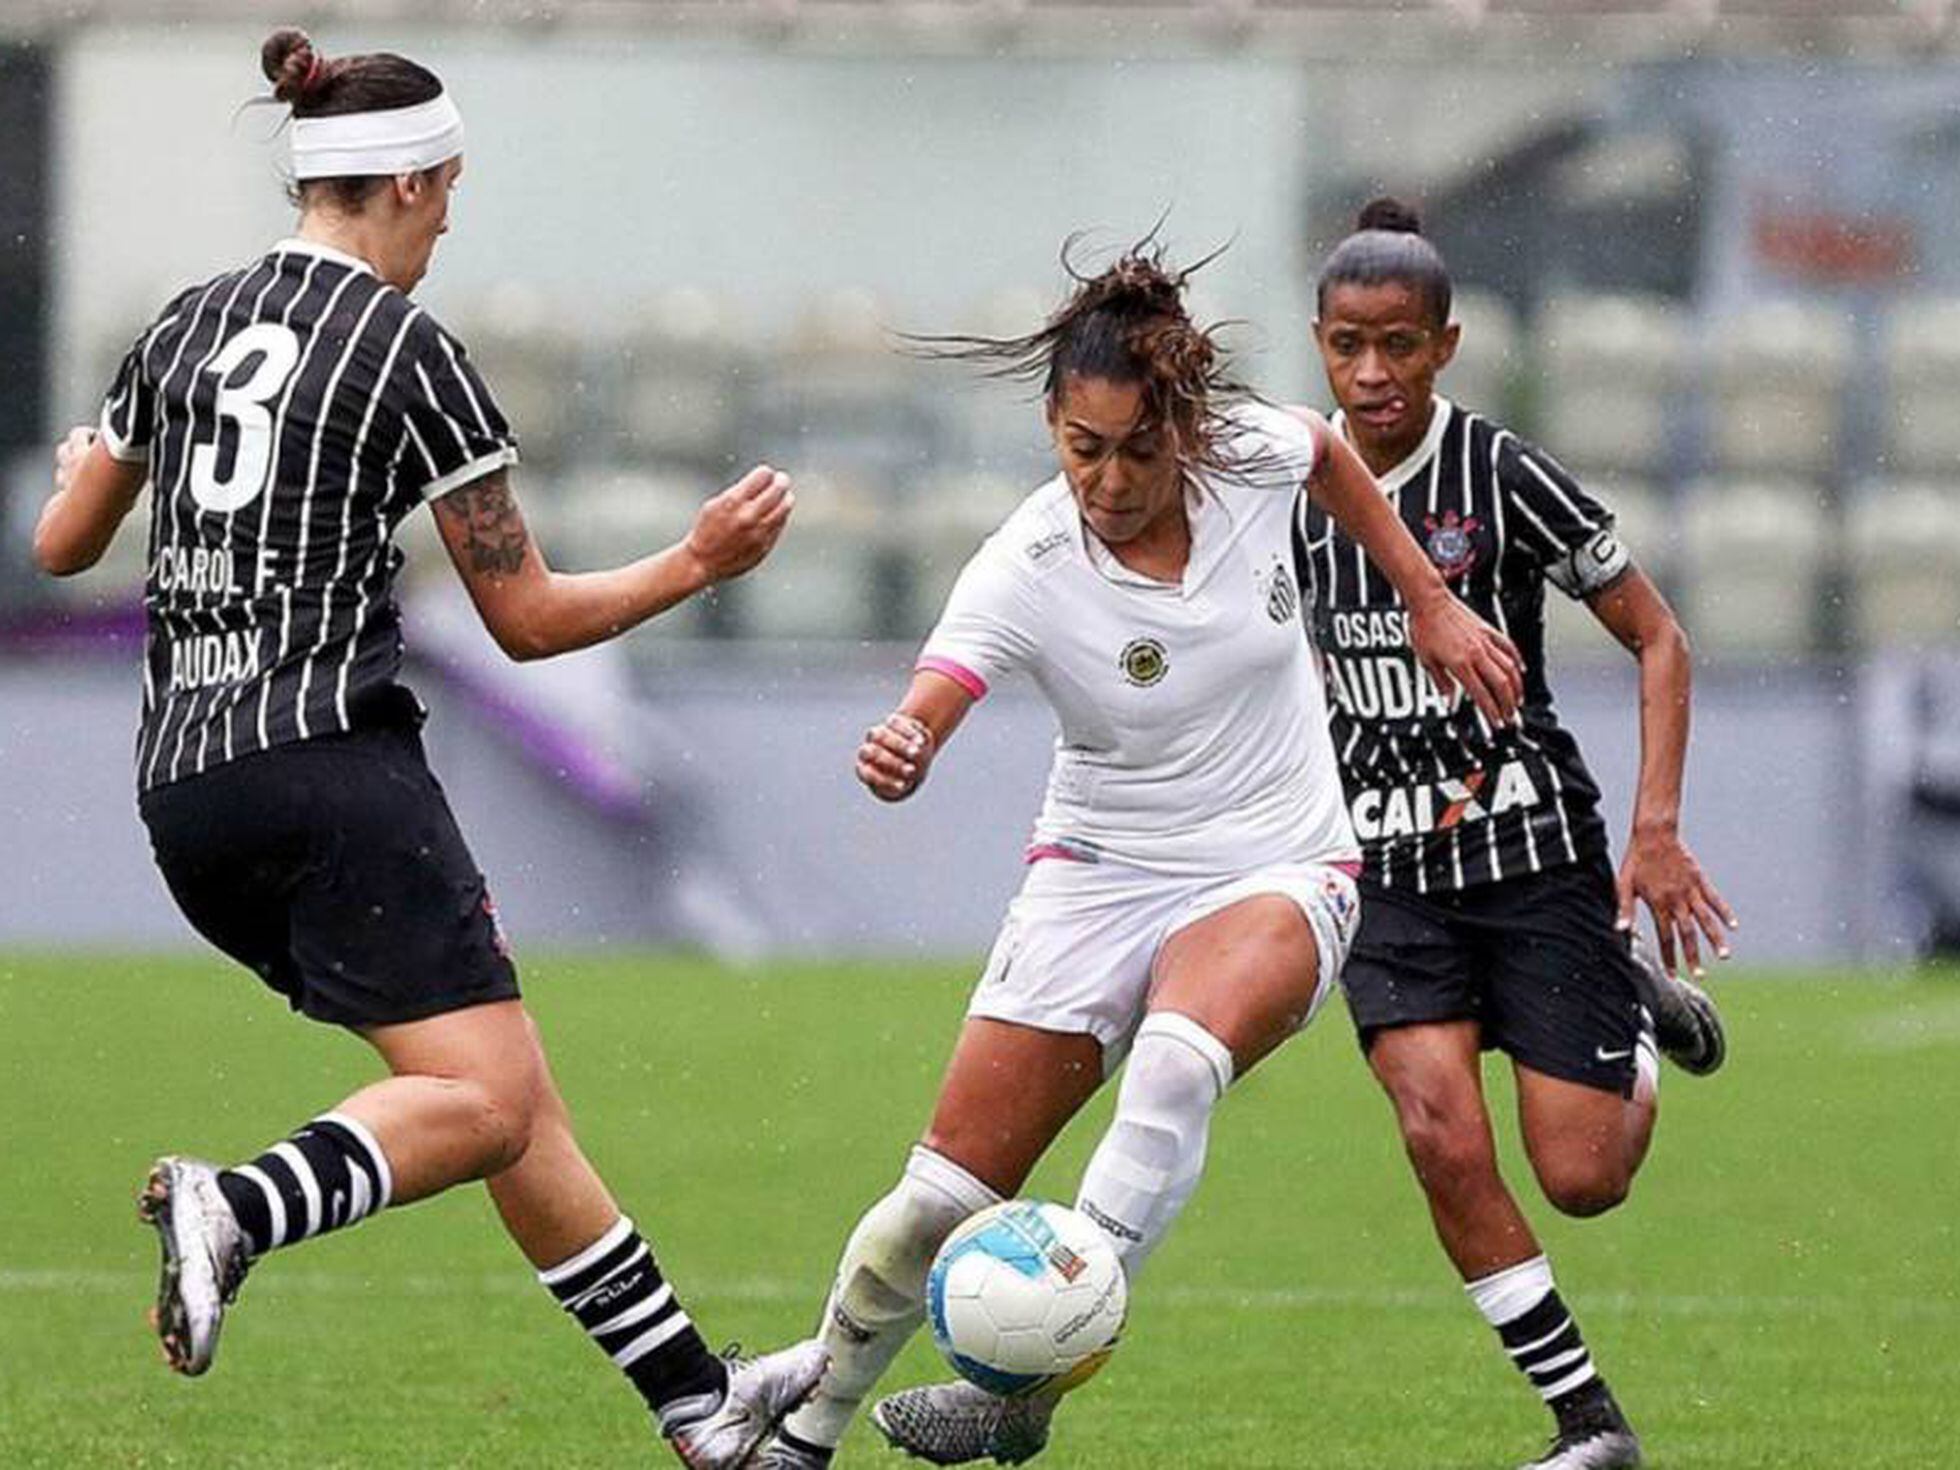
<point x="334" y="870"/>
<point x="1535" y="960"/>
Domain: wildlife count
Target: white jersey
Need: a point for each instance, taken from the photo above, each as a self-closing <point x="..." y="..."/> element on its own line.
<point x="1194" y="737"/>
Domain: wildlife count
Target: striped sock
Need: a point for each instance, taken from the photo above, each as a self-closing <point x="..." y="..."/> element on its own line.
<point x="615" y="1290"/>
<point x="1537" y="1331"/>
<point x="327" y="1176"/>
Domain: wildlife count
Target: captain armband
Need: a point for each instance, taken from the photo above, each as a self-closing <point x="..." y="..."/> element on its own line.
<point x="1591" y="568"/>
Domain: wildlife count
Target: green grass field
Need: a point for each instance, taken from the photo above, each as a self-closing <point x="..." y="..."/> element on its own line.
<point x="1783" y="1290"/>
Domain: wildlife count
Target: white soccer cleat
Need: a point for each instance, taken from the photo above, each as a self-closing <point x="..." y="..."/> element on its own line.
<point x="959" y="1422"/>
<point x="725" y="1434"/>
<point x="205" y="1258"/>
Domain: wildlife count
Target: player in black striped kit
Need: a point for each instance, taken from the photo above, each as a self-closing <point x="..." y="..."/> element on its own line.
<point x="1491" y="915"/>
<point x="289" y="415"/>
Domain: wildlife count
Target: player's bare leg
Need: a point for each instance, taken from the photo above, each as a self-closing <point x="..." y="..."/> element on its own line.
<point x="1585" y="1144"/>
<point x="1433" y="1075"/>
<point x="568" y="1225"/>
<point x="393" y="1142"/>
<point x="1008" y="1090"/>
<point x="1227" y="991"/>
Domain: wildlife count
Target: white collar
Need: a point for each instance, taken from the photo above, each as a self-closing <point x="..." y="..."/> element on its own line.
<point x="300" y="245"/>
<point x="1432" y="440"/>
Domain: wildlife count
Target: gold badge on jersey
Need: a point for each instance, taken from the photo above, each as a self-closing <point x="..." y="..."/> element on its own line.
<point x="1144" y="662"/>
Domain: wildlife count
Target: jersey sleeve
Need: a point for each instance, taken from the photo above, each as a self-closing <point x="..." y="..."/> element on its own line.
<point x="1273" y="448"/>
<point x="129" y="412"/>
<point x="988" y="628"/>
<point x="453" y="431"/>
<point x="1567" y="531"/>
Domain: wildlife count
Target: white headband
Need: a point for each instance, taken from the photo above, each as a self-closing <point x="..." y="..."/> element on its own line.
<point x="401" y="140"/>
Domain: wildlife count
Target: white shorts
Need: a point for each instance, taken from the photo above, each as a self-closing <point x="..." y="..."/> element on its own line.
<point x="1076" y="949"/>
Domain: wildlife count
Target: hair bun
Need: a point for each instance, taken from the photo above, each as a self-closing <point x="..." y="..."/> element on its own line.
<point x="291" y="64"/>
<point x="1389" y="214"/>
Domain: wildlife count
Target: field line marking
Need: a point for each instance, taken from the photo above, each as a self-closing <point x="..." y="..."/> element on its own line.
<point x="1280" y="1299"/>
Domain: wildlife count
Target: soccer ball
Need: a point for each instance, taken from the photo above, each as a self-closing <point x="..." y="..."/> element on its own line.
<point x="1026" y="1296"/>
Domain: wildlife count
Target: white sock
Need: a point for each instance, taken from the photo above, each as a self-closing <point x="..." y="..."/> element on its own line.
<point x="1149" y="1161"/>
<point x="879" y="1298"/>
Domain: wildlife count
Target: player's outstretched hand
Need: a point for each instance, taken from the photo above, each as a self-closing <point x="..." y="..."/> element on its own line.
<point x="69" y="454"/>
<point x="739" y="527"/>
<point x="1460" y="650"/>
<point x="1660" y="872"/>
<point x="894" y="757"/>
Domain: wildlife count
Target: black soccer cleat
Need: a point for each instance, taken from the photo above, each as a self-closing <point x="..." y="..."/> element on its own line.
<point x="1592" y="1434"/>
<point x="1687" y="1024"/>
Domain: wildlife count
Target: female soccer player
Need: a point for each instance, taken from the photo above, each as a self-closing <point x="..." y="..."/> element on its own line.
<point x="289" y="415"/>
<point x="1490" y="914"/>
<point x="1189" y="897"/>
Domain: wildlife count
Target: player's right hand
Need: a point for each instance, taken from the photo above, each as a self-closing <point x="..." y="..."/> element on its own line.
<point x="1460" y="650"/>
<point x="69" y="454"/>
<point x="739" y="527"/>
<point x="894" y="756"/>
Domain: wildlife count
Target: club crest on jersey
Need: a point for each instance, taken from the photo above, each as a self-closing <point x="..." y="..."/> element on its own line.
<point x="1451" y="543"/>
<point x="1282" y="596"/>
<point x="1144" y="662"/>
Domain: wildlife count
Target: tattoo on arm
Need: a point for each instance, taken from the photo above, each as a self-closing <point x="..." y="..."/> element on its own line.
<point x="493" y="527"/>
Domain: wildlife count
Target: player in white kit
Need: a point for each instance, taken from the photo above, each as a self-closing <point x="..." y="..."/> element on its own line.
<point x="1190" y="894"/>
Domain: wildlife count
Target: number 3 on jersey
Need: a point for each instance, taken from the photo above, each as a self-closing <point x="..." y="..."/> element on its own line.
<point x="243" y="404"/>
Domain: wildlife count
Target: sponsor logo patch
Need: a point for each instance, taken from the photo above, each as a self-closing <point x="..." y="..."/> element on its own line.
<point x="1144" y="662"/>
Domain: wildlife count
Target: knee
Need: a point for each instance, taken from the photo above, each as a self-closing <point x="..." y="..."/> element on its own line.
<point x="1177" y="1069"/>
<point x="1451" y="1152"/>
<point x="506" y="1112"/>
<point x="1584" y="1187"/>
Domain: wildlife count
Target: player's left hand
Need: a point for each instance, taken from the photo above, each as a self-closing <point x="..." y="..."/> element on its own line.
<point x="1660" y="872"/>
<point x="69" y="454"/>
<point x="1460" y="650"/>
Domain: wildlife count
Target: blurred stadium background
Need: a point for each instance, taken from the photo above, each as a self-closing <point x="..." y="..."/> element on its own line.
<point x="1709" y="255"/>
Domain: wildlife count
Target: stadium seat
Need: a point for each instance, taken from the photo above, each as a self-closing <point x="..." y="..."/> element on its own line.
<point x="943" y="525"/>
<point x="838" y="575"/>
<point x="1484" y="372"/>
<point x="1922" y="355"/>
<point x="1646" y="521"/>
<point x="1903" y="551"/>
<point x="681" y="382"/>
<point x="1779" y="373"/>
<point x="1611" y="369"/>
<point x="534" y="364"/>
<point x="1756" y="551"/>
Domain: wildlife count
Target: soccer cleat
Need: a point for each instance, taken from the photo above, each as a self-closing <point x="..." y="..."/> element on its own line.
<point x="957" y="1423"/>
<point x="1687" y="1024"/>
<point x="778" y="1455"/>
<point x="723" y="1432"/>
<point x="205" y="1258"/>
<point x="1599" y="1448"/>
<point x="1592" y="1434"/>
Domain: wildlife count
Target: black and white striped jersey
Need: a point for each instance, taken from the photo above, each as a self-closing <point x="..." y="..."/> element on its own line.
<point x="1439" y="799"/>
<point x="291" y="414"/>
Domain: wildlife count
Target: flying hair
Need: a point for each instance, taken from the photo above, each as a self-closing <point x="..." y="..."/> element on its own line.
<point x="1388" y="246"/>
<point x="1127" y="323"/>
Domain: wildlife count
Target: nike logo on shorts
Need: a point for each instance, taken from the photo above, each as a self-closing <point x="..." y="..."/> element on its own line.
<point x="1612" y="1056"/>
